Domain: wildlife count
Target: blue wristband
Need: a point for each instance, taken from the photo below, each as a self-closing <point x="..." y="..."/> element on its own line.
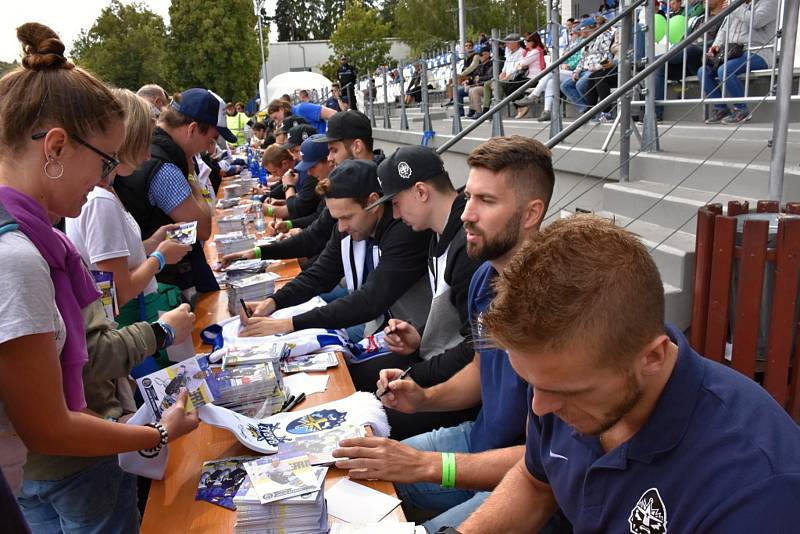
<point x="162" y="261"/>
<point x="170" y="334"/>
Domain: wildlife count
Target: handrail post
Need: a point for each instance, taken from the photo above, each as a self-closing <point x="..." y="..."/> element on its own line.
<point x="427" y="125"/>
<point x="371" y="97"/>
<point x="554" y="28"/>
<point x="782" y="100"/>
<point x="650" y="125"/>
<point x="457" y="105"/>
<point x="623" y="75"/>
<point x="387" y="123"/>
<point x="497" y="121"/>
<point x="402" y="82"/>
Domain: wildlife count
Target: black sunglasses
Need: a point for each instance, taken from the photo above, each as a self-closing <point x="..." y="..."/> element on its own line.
<point x="109" y="162"/>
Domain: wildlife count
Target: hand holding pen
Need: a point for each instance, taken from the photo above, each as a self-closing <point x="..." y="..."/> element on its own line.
<point x="397" y="390"/>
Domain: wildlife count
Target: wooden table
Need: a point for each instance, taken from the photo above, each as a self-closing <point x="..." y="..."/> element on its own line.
<point x="171" y="508"/>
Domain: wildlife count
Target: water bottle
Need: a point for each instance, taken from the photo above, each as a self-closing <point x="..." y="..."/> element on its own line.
<point x="261" y="224"/>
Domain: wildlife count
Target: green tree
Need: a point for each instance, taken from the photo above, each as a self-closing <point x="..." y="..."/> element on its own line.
<point x="214" y="44"/>
<point x="294" y="21"/>
<point x="126" y="46"/>
<point x="361" y="36"/>
<point x="5" y="67"/>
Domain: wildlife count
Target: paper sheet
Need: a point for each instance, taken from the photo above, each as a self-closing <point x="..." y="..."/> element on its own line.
<point x="354" y="503"/>
<point x="305" y="383"/>
<point x="385" y="527"/>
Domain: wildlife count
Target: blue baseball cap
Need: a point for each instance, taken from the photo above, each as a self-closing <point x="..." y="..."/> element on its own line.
<point x="205" y="107"/>
<point x="311" y="153"/>
<point x="587" y="23"/>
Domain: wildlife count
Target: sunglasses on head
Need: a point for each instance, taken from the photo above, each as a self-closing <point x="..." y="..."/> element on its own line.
<point x="109" y="162"/>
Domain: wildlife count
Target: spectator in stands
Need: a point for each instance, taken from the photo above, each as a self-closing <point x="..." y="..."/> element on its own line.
<point x="511" y="75"/>
<point x="427" y="201"/>
<point x="348" y="77"/>
<point x="336" y="101"/>
<point x="164" y="189"/>
<point x="155" y="96"/>
<point x="476" y="85"/>
<point x="508" y="189"/>
<point x="744" y="47"/>
<point x="58" y="128"/>
<point x="303" y="95"/>
<point x="471" y="62"/>
<point x="316" y="115"/>
<point x="533" y="62"/>
<point x="414" y="90"/>
<point x="594" y="57"/>
<point x="601" y="81"/>
<point x="236" y="122"/>
<point x="384" y="280"/>
<point x="614" y="386"/>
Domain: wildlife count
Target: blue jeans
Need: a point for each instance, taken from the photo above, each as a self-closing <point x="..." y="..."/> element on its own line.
<point x="575" y="90"/>
<point x="455" y="505"/>
<point x="728" y="76"/>
<point x="461" y="93"/>
<point x="98" y="499"/>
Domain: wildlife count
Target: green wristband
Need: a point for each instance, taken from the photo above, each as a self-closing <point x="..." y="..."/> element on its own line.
<point x="289" y="225"/>
<point x="257" y="252"/>
<point x="448" y="470"/>
<point x="270" y="210"/>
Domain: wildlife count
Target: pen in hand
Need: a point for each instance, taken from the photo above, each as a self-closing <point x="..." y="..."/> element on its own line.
<point x="402" y="376"/>
<point x="247" y="311"/>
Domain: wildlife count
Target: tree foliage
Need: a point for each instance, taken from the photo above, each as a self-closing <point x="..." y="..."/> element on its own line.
<point x="428" y="24"/>
<point x="5" y="67"/>
<point x="126" y="46"/>
<point x="361" y="36"/>
<point x="214" y="44"/>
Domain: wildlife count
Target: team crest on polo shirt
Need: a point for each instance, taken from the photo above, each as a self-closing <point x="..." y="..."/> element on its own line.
<point x="649" y="516"/>
<point x="404" y="170"/>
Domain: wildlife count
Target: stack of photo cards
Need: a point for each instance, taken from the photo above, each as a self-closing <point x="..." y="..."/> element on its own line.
<point x="185" y="233"/>
<point x="252" y="390"/>
<point x="220" y="480"/>
<point x="271" y="353"/>
<point x="232" y="223"/>
<point x="275" y="479"/>
<point x="231" y="242"/>
<point x="250" y="289"/>
<point x="320" y="361"/>
<point x="302" y="514"/>
<point x="160" y="389"/>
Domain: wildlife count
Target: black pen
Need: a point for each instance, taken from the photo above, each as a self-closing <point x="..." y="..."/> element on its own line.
<point x="402" y="376"/>
<point x="247" y="311"/>
<point x="289" y="399"/>
<point x="297" y="400"/>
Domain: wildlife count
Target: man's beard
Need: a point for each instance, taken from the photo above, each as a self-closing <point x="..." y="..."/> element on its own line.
<point x="498" y="246"/>
<point x="633" y="394"/>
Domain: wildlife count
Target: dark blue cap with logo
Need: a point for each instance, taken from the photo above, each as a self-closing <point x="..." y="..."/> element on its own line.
<point x="205" y="107"/>
<point x="298" y="134"/>
<point x="311" y="153"/>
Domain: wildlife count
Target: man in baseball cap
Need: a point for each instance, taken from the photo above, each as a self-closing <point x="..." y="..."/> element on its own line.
<point x="299" y="184"/>
<point x="298" y="134"/>
<point x="418" y="188"/>
<point x="349" y="135"/>
<point x="381" y="259"/>
<point x="205" y="107"/>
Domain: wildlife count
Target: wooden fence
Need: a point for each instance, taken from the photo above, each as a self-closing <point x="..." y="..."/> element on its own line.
<point x="720" y="317"/>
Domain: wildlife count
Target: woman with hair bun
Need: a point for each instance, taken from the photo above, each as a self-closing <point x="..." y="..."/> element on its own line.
<point x="60" y="130"/>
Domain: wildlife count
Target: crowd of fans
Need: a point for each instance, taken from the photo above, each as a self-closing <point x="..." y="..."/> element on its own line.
<point x="541" y="371"/>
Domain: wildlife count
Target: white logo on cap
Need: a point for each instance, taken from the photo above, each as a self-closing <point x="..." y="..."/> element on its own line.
<point x="404" y="170"/>
<point x="304" y="135"/>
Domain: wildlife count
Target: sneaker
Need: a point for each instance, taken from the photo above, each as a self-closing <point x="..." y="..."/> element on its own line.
<point x="739" y="115"/>
<point x="718" y="115"/>
<point x="544" y="117"/>
<point x="521" y="112"/>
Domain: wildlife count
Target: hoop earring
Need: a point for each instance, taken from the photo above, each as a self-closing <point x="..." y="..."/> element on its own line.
<point x="60" y="168"/>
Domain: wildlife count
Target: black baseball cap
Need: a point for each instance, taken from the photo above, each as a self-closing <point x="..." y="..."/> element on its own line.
<point x="298" y="134"/>
<point x="407" y="166"/>
<point x="353" y="178"/>
<point x="290" y="122"/>
<point x="350" y="124"/>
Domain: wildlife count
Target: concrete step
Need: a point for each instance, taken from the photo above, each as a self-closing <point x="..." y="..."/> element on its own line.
<point x="660" y="203"/>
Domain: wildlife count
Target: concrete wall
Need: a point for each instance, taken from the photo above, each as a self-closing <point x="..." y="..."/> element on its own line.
<point x="284" y="56"/>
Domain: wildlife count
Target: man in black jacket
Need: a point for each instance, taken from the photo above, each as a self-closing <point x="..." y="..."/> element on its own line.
<point x="382" y="260"/>
<point x="415" y="182"/>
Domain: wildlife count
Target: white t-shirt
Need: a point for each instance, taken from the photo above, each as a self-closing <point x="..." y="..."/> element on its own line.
<point x="28" y="307"/>
<point x="105" y="230"/>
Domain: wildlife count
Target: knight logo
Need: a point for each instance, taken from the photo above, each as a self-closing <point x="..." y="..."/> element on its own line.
<point x="649" y="516"/>
<point x="316" y="421"/>
<point x="404" y="170"/>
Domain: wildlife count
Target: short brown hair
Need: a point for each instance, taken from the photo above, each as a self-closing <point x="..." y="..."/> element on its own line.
<point x="275" y="155"/>
<point x="138" y="127"/>
<point x="526" y="163"/>
<point x="49" y="91"/>
<point x="277" y="105"/>
<point x="580" y="278"/>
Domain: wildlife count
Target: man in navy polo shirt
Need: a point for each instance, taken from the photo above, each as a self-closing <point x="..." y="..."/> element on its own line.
<point x="508" y="189"/>
<point x="630" y="430"/>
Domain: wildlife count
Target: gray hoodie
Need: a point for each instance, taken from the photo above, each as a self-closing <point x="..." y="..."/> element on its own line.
<point x="737" y="28"/>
